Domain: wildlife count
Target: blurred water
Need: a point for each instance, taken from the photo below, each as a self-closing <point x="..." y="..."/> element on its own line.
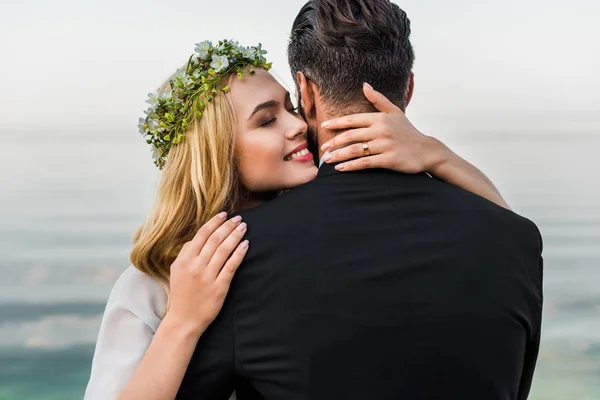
<point x="70" y="202"/>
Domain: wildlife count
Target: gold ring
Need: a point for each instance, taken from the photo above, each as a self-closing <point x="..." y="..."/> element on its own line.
<point x="366" y="149"/>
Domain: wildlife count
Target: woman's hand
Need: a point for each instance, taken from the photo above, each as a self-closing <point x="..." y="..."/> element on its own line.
<point x="200" y="278"/>
<point x="203" y="270"/>
<point x="393" y="142"/>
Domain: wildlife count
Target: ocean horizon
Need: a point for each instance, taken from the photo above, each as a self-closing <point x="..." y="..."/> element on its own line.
<point x="71" y="202"/>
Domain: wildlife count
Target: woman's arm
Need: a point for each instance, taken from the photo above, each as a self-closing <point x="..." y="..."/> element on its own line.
<point x="161" y="371"/>
<point x="133" y="359"/>
<point x="199" y="281"/>
<point x="394" y="143"/>
<point x="125" y="333"/>
<point x="459" y="172"/>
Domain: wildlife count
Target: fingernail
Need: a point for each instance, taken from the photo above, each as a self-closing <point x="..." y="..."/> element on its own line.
<point x="245" y="244"/>
<point x="367" y="85"/>
<point x="222" y="215"/>
<point x="325" y="124"/>
<point x="327" y="157"/>
<point x="242" y="227"/>
<point x="325" y="146"/>
<point x="237" y="219"/>
<point x="339" y="167"/>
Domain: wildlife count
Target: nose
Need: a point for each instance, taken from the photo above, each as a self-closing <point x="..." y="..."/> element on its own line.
<point x="297" y="127"/>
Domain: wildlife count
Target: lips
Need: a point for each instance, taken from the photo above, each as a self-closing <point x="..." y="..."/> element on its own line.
<point x="300" y="151"/>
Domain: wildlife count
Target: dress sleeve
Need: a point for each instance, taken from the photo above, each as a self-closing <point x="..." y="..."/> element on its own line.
<point x="132" y="315"/>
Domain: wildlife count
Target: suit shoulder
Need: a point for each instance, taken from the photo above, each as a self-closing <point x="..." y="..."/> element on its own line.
<point x="479" y="207"/>
<point x="295" y="199"/>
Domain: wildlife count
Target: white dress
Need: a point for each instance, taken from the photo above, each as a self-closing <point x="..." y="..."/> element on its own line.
<point x="135" y="308"/>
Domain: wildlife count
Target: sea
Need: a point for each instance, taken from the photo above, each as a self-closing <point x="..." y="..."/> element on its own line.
<point x="70" y="201"/>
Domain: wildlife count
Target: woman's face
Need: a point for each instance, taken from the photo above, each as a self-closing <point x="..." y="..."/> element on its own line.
<point x="271" y="144"/>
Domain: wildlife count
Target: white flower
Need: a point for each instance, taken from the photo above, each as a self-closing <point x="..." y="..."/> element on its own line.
<point x="143" y="125"/>
<point x="156" y="153"/>
<point x="152" y="99"/>
<point x="260" y="52"/>
<point x="182" y="80"/>
<point x="202" y="49"/>
<point x="150" y="112"/>
<point x="221" y="47"/>
<point x="219" y="63"/>
<point x="248" y="52"/>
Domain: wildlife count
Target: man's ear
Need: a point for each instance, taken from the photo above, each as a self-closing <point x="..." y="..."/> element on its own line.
<point x="307" y="94"/>
<point x="411" y="88"/>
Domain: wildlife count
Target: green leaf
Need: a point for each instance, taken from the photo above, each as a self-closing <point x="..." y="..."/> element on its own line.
<point x="167" y="138"/>
<point x="211" y="71"/>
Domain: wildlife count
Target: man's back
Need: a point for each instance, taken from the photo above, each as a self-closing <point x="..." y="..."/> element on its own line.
<point x="380" y="285"/>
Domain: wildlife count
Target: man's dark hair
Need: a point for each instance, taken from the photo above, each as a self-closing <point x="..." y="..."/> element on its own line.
<point x="339" y="44"/>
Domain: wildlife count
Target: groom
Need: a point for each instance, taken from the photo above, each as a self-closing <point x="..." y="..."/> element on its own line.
<point x="373" y="284"/>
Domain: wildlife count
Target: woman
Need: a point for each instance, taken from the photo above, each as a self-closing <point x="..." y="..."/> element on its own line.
<point x="228" y="138"/>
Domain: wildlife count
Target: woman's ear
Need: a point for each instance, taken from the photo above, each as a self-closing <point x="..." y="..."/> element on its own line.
<point x="307" y="95"/>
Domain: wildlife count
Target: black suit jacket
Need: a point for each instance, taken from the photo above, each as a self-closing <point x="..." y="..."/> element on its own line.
<point x="377" y="285"/>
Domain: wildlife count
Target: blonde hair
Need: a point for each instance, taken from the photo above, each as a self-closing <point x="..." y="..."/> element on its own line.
<point x="199" y="180"/>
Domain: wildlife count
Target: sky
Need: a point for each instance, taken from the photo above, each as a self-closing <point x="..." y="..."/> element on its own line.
<point x="70" y="64"/>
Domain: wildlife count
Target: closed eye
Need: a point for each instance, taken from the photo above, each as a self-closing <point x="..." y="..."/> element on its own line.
<point x="268" y="123"/>
<point x="271" y="121"/>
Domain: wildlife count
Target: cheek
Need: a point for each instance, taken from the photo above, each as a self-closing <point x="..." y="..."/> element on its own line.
<point x="260" y="158"/>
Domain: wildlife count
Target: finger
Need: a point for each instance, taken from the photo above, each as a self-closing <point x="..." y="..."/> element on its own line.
<point x="349" y="137"/>
<point x="360" y="164"/>
<point x="229" y="269"/>
<point x="215" y="240"/>
<point x="380" y="102"/>
<point x="350" y="121"/>
<point x="197" y="243"/>
<point x="350" y="152"/>
<point x="225" y="249"/>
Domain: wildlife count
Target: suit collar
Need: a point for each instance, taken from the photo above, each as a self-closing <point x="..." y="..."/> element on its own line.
<point x="327" y="169"/>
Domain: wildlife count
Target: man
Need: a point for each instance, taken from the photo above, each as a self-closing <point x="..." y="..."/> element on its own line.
<point x="373" y="284"/>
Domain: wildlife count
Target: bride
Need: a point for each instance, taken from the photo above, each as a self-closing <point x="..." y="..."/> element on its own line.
<point x="227" y="138"/>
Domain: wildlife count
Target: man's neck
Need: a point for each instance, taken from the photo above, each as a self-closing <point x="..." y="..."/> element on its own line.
<point x="324" y="135"/>
<point x="323" y="114"/>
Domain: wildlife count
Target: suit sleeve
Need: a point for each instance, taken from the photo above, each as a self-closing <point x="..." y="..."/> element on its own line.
<point x="533" y="344"/>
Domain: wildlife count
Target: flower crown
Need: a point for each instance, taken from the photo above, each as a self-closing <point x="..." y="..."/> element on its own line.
<point x="171" y="113"/>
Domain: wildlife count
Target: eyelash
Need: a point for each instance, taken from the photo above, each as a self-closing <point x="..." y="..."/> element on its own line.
<point x="272" y="120"/>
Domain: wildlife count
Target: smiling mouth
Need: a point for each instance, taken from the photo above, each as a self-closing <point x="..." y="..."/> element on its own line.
<point x="301" y="153"/>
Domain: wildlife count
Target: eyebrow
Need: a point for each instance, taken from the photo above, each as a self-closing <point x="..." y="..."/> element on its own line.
<point x="268" y="104"/>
